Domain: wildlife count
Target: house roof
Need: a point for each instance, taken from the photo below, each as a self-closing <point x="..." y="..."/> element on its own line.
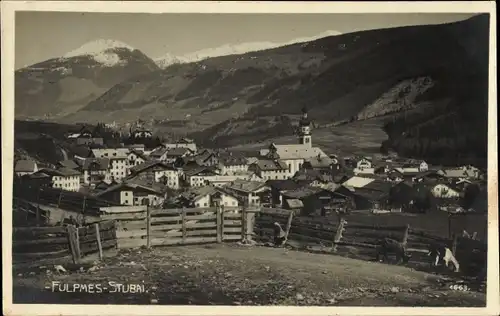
<point x="62" y="172"/>
<point x="194" y="194"/>
<point x="379" y="185"/>
<point x="294" y="203"/>
<point x="285" y="185"/>
<point x="25" y="166"/>
<point x="198" y="170"/>
<point x="372" y="190"/>
<point x="96" y="163"/>
<point x="138" y="153"/>
<point x="131" y="186"/>
<point x="369" y="194"/>
<point x="270" y="165"/>
<point x="110" y="152"/>
<point x="456" y="173"/>
<point x="312" y="175"/>
<point x="302" y="192"/>
<point x="158" y="152"/>
<point x="155" y="165"/>
<point x="358" y="182"/>
<point x="329" y="186"/>
<point x="135" y="146"/>
<point x="319" y="162"/>
<point x="295" y="151"/>
<point x="233" y="160"/>
<point x="178" y="151"/>
<point x="455" y="186"/>
<point x="69" y="163"/>
<point x="245" y="186"/>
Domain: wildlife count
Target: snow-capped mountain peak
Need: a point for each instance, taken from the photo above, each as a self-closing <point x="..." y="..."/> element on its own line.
<point x="233" y="49"/>
<point x="102" y="51"/>
<point x="169" y="59"/>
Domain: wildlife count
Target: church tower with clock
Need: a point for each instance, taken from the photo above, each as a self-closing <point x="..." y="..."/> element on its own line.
<point x="305" y="137"/>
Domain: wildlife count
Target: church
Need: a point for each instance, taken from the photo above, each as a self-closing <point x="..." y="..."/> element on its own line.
<point x="294" y="155"/>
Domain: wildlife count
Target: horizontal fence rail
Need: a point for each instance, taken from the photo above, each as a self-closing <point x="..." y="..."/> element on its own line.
<point x="343" y="236"/>
<point x="146" y="227"/>
<point x="58" y="244"/>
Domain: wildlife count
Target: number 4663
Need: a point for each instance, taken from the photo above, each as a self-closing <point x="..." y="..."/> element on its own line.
<point x="459" y="287"/>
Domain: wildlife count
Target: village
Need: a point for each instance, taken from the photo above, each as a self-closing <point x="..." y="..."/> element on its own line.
<point x="299" y="177"/>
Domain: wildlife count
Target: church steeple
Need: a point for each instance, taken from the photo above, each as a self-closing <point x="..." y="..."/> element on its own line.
<point x="305" y="137"/>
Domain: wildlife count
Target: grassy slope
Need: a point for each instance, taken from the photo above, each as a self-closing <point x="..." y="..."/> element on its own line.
<point x="57" y="87"/>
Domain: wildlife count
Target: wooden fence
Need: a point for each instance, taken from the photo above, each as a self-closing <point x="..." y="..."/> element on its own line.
<point x="342" y="236"/>
<point x="142" y="226"/>
<point x="59" y="244"/>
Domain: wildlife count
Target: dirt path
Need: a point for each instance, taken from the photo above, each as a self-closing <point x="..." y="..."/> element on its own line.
<point x="222" y="274"/>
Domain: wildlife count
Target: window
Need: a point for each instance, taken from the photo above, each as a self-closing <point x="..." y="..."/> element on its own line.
<point x="234" y="203"/>
<point x="205" y="204"/>
<point x="126" y="193"/>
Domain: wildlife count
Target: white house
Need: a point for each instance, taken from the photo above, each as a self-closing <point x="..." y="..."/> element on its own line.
<point x="202" y="177"/>
<point x="465" y="172"/>
<point x="110" y="152"/>
<point x="208" y="196"/>
<point x="136" y="158"/>
<point x="183" y="143"/>
<point x="249" y="192"/>
<point x="364" y="162"/>
<point x="118" y="158"/>
<point x="159" y="172"/>
<point x="232" y="165"/>
<point x="95" y="170"/>
<point x="159" y="154"/>
<point x="142" y="133"/>
<point x="271" y="169"/>
<point x="444" y="191"/>
<point x="63" y="178"/>
<point x="176" y="153"/>
<point x="423" y="166"/>
<point x="128" y="193"/>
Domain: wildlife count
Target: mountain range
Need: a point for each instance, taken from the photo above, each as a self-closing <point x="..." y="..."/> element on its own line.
<point x="419" y="77"/>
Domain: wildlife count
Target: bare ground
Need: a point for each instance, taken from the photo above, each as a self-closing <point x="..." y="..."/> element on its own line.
<point x="242" y="275"/>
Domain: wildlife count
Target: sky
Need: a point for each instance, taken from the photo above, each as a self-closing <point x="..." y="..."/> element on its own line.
<point x="43" y="35"/>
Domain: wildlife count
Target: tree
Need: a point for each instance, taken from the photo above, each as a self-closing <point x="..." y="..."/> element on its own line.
<point x="423" y="200"/>
<point x="384" y="148"/>
<point x="470" y="195"/>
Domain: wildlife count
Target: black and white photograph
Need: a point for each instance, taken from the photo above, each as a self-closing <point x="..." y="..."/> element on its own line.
<point x="328" y="159"/>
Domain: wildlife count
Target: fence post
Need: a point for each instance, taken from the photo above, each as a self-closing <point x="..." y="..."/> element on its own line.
<point x="243" y="224"/>
<point x="222" y="222"/>
<point x="98" y="237"/>
<point x="148" y="226"/>
<point x="184" y="232"/>
<point x="38" y="209"/>
<point x="219" y="224"/>
<point x="454" y="245"/>
<point x="449" y="226"/>
<point x="83" y="205"/>
<point x="59" y="200"/>
<point x="288" y="225"/>
<point x="405" y="236"/>
<point x="338" y="234"/>
<point x="74" y="243"/>
<point x="249" y="224"/>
